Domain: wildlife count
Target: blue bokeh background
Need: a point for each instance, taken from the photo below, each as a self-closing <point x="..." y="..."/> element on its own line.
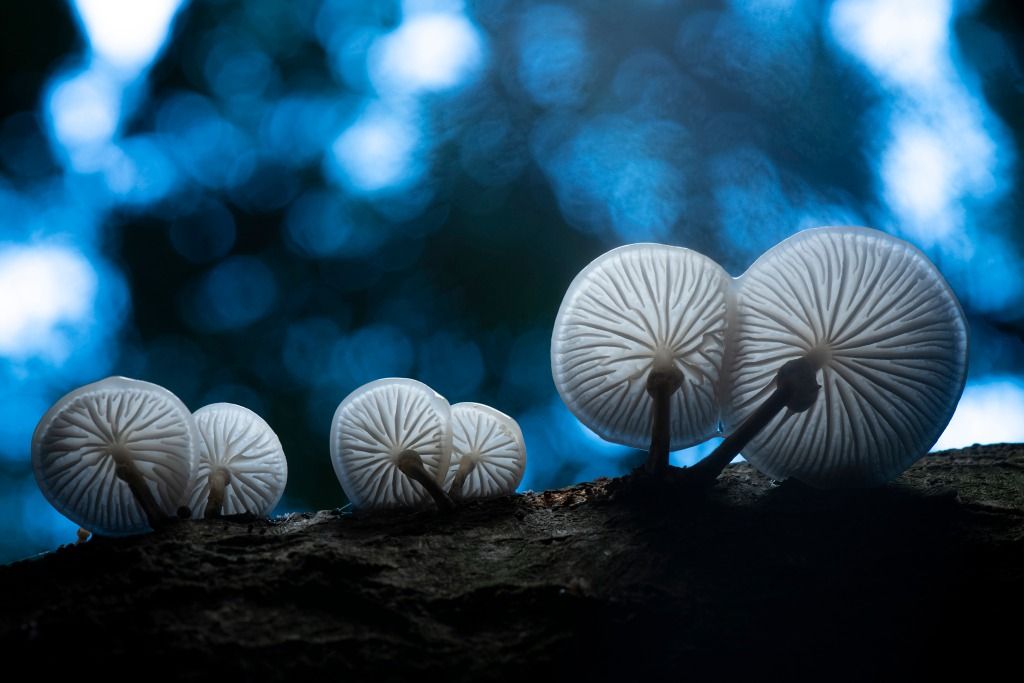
<point x="272" y="202"/>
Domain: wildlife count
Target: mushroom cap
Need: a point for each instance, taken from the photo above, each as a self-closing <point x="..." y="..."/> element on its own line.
<point x="240" y="441"/>
<point x="374" y="425"/>
<point x="888" y="334"/>
<point x="495" y="442"/>
<point x="77" y="442"/>
<point x="635" y="308"/>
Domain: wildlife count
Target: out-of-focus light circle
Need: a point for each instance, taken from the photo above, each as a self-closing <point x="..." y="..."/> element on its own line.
<point x="235" y="293"/>
<point x="554" y="57"/>
<point x="84" y="108"/>
<point x="427" y="52"/>
<point x="317" y="224"/>
<point x="377" y="151"/>
<point x="126" y="33"/>
<point x="370" y="353"/>
<point x="42" y="289"/>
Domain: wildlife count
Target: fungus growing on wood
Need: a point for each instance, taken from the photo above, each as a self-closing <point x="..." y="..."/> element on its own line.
<point x="241" y="466"/>
<point x="489" y="453"/>
<point x="637" y="347"/>
<point x="391" y="443"/>
<point x="116" y="456"/>
<point x="877" y="325"/>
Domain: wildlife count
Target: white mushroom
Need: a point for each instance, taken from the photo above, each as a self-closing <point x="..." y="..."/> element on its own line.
<point x="116" y="456"/>
<point x="637" y="347"/>
<point x="873" y="319"/>
<point x="391" y="443"/>
<point x="489" y="453"/>
<point x="241" y="467"/>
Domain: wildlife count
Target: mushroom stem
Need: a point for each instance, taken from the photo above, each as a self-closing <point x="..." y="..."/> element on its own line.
<point x="218" y="484"/>
<point x="661" y="384"/>
<point x="411" y="465"/>
<point x="795" y="388"/>
<point x="466" y="466"/>
<point x="126" y="470"/>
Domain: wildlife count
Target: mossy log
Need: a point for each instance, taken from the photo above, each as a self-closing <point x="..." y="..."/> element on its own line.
<point x="612" y="579"/>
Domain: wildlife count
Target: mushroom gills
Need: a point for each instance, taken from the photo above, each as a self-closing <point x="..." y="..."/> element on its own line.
<point x="116" y="456"/>
<point x="242" y="466"/>
<point x="638" y="344"/>
<point x="887" y="334"/>
<point x="488" y="452"/>
<point x="391" y="443"/>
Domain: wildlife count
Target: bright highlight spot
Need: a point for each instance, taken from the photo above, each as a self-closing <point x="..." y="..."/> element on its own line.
<point x="126" y="33"/>
<point x="990" y="411"/>
<point x="919" y="176"/>
<point x="376" y="152"/>
<point x="85" y="109"/>
<point x="42" y="288"/>
<point x="427" y="52"/>
<point x="905" y="42"/>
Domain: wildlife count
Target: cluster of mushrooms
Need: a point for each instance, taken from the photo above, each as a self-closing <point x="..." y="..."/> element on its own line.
<point x="396" y="442"/>
<point x="837" y="359"/>
<point x="122" y="456"/>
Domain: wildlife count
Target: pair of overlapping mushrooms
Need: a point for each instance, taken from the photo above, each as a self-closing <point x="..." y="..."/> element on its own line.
<point x="653" y="346"/>
<point x="657" y="346"/>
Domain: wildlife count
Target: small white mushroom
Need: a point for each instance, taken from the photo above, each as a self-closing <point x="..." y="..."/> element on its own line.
<point x="871" y="317"/>
<point x="637" y="347"/>
<point x="391" y="443"/>
<point x="489" y="453"/>
<point x="241" y="468"/>
<point x="116" y="456"/>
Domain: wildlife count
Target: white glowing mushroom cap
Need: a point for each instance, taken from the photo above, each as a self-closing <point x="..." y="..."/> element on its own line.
<point x="635" y="308"/>
<point x="80" y="441"/>
<point x="241" y="443"/>
<point x="886" y="331"/>
<point x="374" y="425"/>
<point x="494" y="442"/>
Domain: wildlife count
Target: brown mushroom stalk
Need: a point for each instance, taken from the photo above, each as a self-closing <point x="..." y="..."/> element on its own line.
<point x="411" y="465"/>
<point x="661" y="385"/>
<point x="795" y="388"/>
<point x="127" y="472"/>
<point x="218" y="487"/>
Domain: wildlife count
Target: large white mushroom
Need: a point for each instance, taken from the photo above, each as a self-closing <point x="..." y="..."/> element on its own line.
<point x="870" y="318"/>
<point x="391" y="443"/>
<point x="637" y="347"/>
<point x="116" y="456"/>
<point x="488" y="452"/>
<point x="241" y="467"/>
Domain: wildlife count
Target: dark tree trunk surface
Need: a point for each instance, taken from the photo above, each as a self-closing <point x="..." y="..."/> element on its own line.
<point x="609" y="579"/>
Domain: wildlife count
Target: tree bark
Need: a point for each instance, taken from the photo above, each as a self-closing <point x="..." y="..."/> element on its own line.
<point x="622" y="579"/>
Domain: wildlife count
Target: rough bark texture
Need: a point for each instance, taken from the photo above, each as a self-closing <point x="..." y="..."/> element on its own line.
<point x="610" y="579"/>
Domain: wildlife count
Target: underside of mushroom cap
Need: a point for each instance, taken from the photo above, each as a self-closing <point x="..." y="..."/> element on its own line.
<point x="241" y="443"/>
<point x="637" y="308"/>
<point x="85" y="436"/>
<point x="378" y="422"/>
<point x="494" y="441"/>
<point x="890" y="340"/>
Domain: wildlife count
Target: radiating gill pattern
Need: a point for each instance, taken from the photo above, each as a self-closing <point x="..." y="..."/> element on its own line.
<point x="494" y="441"/>
<point x="242" y="443"/>
<point x="78" y="442"/>
<point x="892" y="342"/>
<point x="377" y="423"/>
<point x="625" y="310"/>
